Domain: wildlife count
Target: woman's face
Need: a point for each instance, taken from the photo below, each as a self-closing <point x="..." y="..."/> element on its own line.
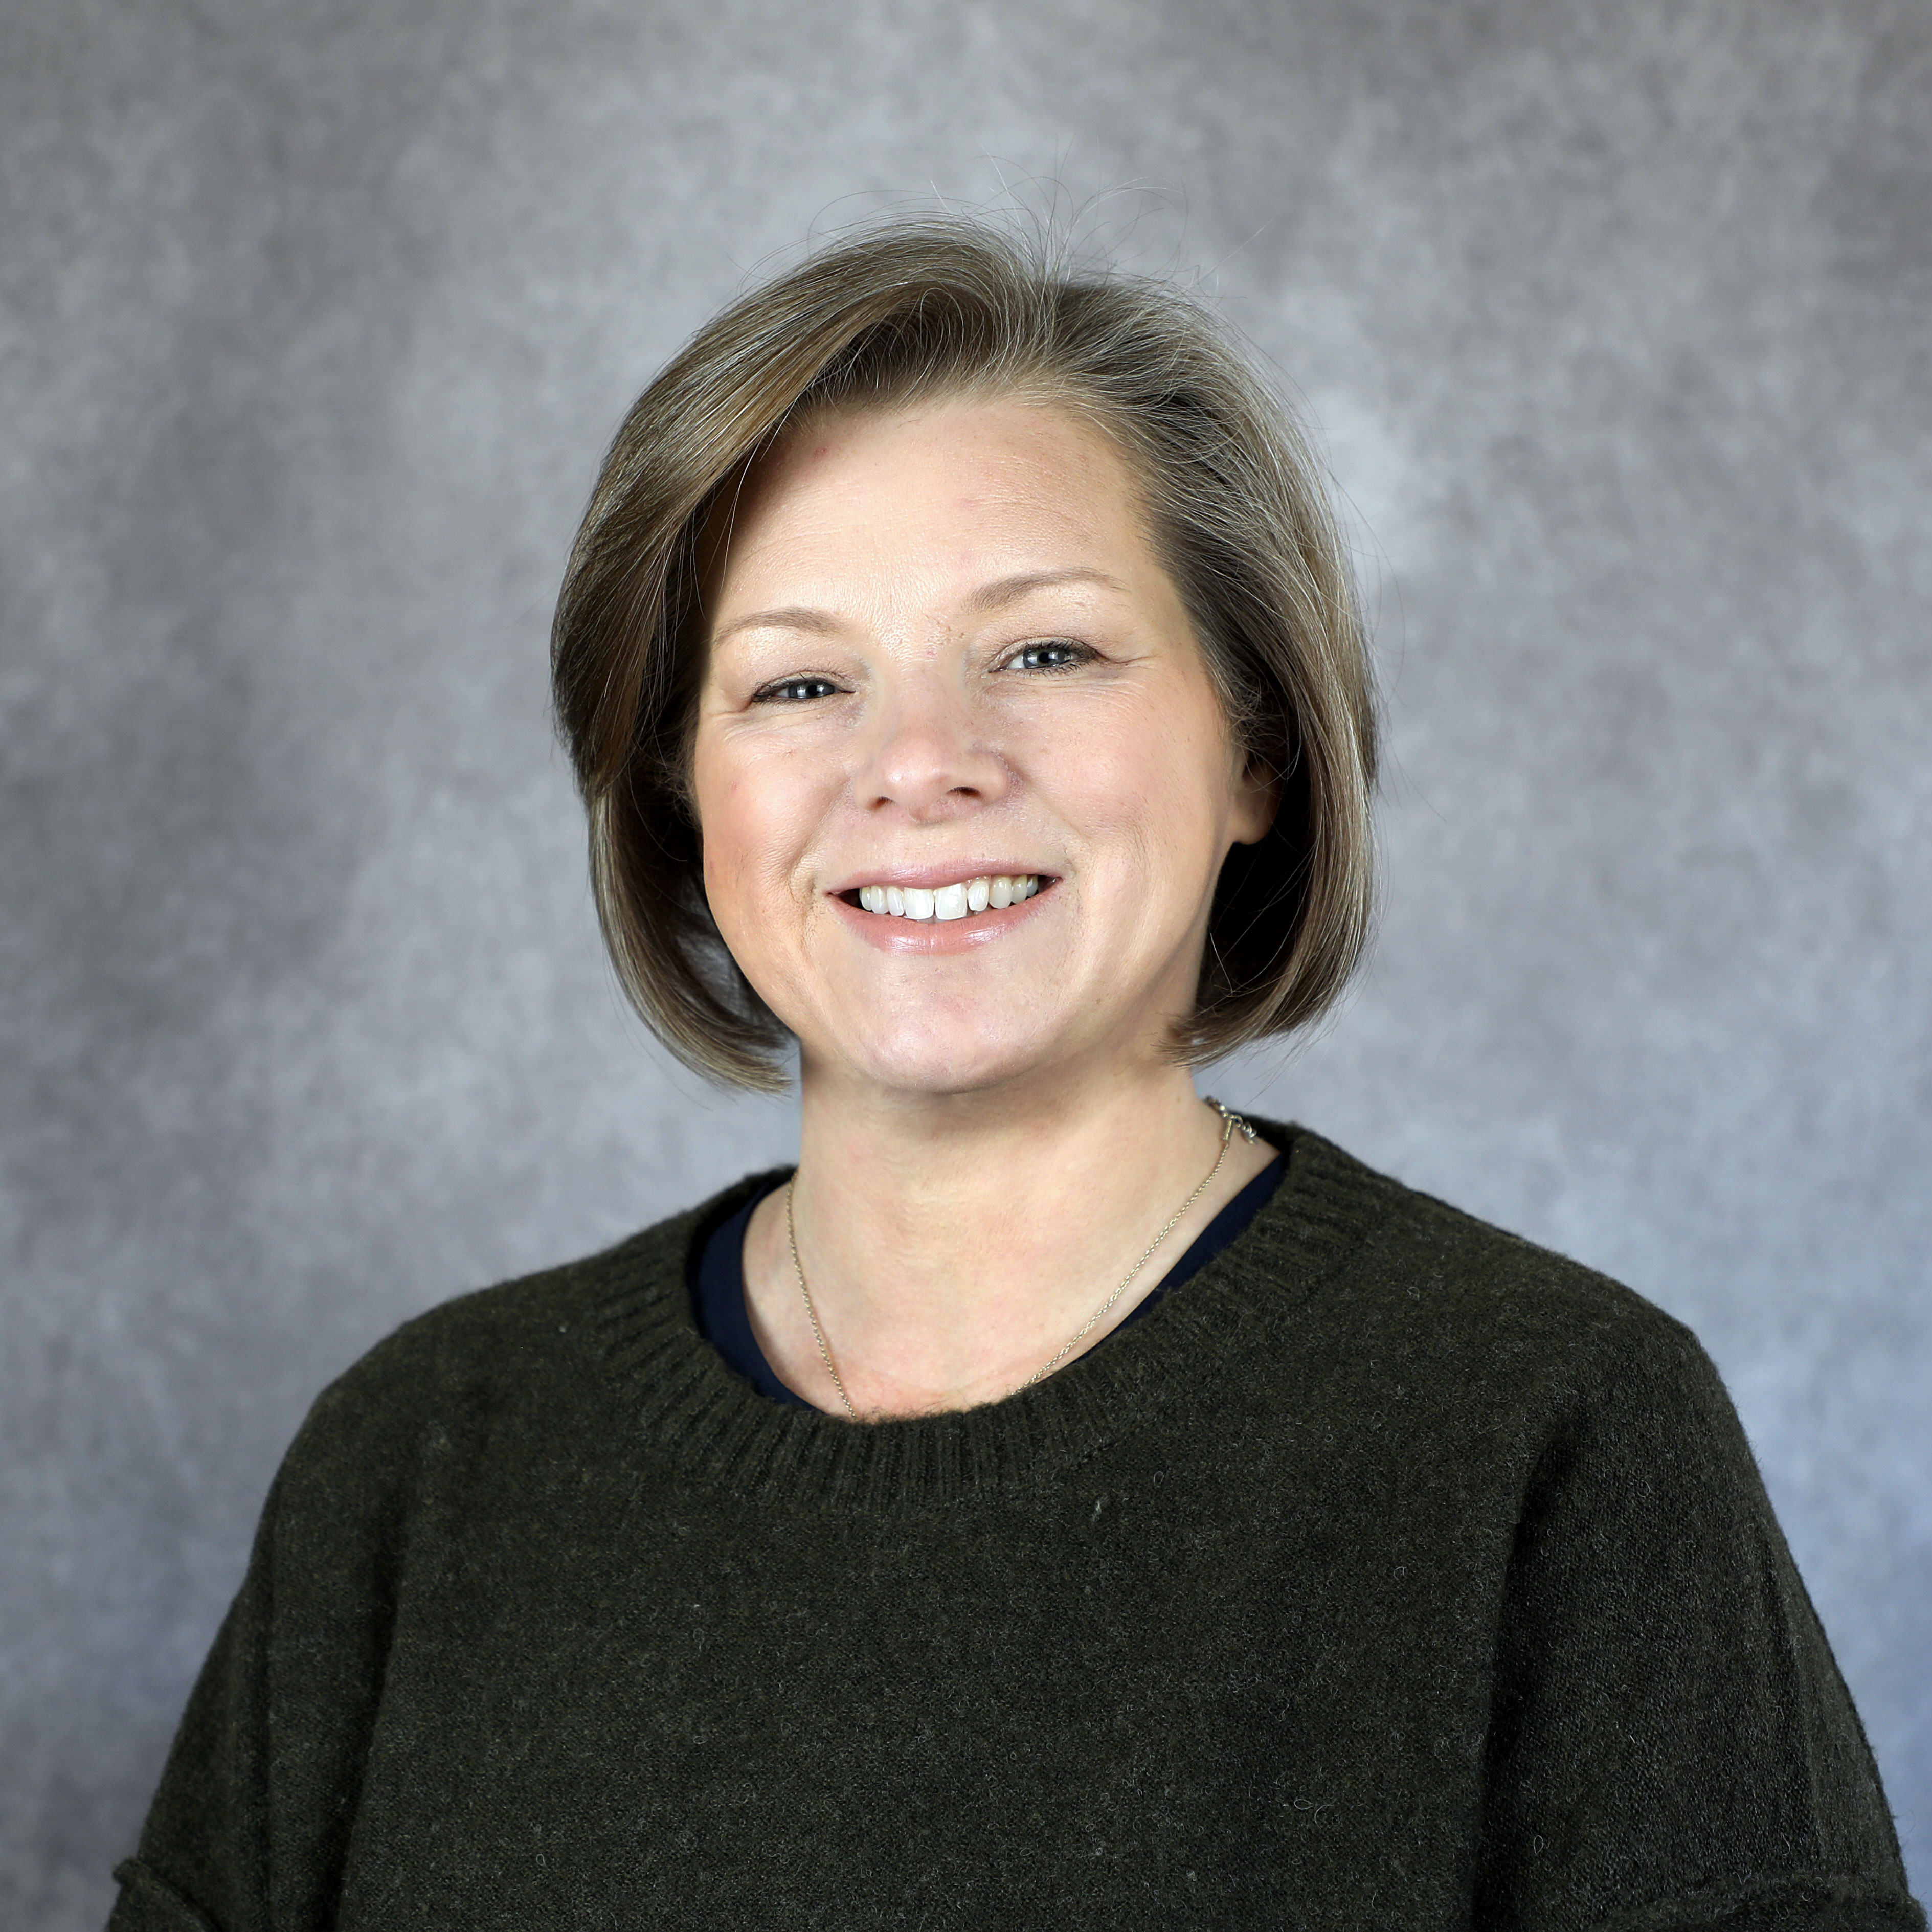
<point x="943" y="653"/>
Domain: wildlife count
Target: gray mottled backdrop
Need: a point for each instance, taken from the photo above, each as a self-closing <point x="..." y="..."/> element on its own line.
<point x="317" y="313"/>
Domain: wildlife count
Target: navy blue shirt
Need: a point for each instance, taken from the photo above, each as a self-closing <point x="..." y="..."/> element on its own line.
<point x="718" y="1289"/>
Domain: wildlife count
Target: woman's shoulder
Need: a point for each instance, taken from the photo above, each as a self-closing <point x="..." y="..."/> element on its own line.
<point x="1410" y="1276"/>
<point x="534" y="1349"/>
<point x="1442" y="1357"/>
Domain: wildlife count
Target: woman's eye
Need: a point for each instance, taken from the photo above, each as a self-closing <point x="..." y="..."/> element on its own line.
<point x="796" y="691"/>
<point x="1055" y="654"/>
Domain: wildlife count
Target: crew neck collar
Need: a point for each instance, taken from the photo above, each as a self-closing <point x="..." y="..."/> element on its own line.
<point x="711" y="1420"/>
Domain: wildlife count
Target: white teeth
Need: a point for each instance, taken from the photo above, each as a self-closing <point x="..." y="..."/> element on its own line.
<point x="955" y="902"/>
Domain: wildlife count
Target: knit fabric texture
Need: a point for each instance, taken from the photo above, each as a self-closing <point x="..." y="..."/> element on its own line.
<point x="1394" y="1572"/>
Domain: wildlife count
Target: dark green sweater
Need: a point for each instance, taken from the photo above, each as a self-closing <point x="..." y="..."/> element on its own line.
<point x="1394" y="1573"/>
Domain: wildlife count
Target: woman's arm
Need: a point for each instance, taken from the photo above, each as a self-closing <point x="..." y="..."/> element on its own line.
<point x="250" y="1827"/>
<point x="203" y="1862"/>
<point x="1672" y="1745"/>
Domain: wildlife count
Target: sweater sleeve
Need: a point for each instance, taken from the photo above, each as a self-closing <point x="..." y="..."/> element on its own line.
<point x="249" y="1828"/>
<point x="202" y="1864"/>
<point x="1672" y="1747"/>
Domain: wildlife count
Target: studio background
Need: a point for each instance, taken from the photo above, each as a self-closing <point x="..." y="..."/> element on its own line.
<point x="317" y="317"/>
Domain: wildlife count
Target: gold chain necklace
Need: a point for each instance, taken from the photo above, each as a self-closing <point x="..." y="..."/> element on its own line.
<point x="1229" y="1122"/>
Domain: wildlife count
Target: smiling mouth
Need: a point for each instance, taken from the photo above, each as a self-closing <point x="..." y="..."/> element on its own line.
<point x="964" y="899"/>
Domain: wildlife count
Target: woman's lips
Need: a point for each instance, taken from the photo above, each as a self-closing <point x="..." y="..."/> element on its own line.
<point x="921" y="927"/>
<point x="957" y="898"/>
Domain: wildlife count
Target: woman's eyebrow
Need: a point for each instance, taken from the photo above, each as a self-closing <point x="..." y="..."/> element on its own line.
<point x="789" y="617"/>
<point x="993" y="596"/>
<point x="1009" y="589"/>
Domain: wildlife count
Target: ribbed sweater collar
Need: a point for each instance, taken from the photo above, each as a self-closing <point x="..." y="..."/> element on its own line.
<point x="712" y="1421"/>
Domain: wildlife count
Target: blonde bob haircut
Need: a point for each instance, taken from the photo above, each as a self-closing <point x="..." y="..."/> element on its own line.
<point x="909" y="313"/>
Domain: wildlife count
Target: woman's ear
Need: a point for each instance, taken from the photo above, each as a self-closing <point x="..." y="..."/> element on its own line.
<point x="1257" y="799"/>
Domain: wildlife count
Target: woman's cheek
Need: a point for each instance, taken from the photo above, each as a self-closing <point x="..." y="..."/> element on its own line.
<point x="756" y="828"/>
<point x="730" y="832"/>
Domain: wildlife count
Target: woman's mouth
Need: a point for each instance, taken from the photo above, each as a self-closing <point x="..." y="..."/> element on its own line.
<point x="962" y="899"/>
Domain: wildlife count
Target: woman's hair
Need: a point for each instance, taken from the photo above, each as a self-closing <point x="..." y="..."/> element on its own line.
<point x="934" y="309"/>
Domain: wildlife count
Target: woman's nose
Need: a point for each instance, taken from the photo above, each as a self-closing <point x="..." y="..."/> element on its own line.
<point x="929" y="760"/>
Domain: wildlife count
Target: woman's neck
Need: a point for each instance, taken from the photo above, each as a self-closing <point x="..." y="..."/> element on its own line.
<point x="952" y="1247"/>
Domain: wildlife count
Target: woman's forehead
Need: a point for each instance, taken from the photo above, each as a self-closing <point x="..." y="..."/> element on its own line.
<point x="974" y="501"/>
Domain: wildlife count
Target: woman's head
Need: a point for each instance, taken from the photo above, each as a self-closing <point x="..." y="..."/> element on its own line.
<point x="878" y="448"/>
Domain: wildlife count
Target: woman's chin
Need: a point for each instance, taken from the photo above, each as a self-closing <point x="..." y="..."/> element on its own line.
<point x="922" y="1057"/>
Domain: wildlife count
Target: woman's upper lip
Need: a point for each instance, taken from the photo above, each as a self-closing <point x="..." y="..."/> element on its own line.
<point x="931" y="877"/>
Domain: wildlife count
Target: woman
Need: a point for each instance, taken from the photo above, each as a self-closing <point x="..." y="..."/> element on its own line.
<point x="1058" y="1501"/>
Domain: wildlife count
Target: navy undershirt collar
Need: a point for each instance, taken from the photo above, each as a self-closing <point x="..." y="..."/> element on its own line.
<point x="717" y="1287"/>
